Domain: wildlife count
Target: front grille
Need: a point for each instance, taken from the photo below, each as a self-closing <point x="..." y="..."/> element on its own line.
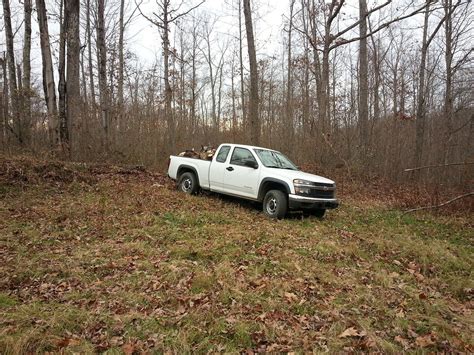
<point x="321" y="193"/>
<point x="323" y="184"/>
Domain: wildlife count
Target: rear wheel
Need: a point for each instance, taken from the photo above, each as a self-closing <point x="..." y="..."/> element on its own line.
<point x="188" y="183"/>
<point x="275" y="204"/>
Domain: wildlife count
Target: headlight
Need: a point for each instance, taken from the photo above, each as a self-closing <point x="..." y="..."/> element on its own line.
<point x="301" y="190"/>
<point x="299" y="182"/>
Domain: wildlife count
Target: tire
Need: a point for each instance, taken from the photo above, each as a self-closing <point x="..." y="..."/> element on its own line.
<point x="318" y="212"/>
<point x="275" y="204"/>
<point x="188" y="183"/>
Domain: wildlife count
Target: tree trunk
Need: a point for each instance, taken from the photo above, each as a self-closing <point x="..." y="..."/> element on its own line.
<point x="168" y="93"/>
<point x="289" y="86"/>
<point x="241" y="59"/>
<point x="448" y="96"/>
<point x="420" y="102"/>
<point x="120" y="56"/>
<point x="102" y="63"/>
<point x="11" y="70"/>
<point x="363" y="82"/>
<point x="63" y="123"/>
<point x="73" y="92"/>
<point x="253" y="107"/>
<point x="5" y="103"/>
<point x="26" y="92"/>
<point x="89" y="55"/>
<point x="49" y="86"/>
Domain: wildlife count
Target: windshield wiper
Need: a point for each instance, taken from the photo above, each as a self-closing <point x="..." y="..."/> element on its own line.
<point x="274" y="166"/>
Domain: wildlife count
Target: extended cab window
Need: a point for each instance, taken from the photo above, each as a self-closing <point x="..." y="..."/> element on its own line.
<point x="223" y="153"/>
<point x="240" y="156"/>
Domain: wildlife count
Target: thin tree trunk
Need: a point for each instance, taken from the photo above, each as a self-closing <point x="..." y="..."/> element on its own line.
<point x="241" y="59"/>
<point x="49" y="86"/>
<point x="363" y="81"/>
<point x="120" y="57"/>
<point x="420" y="107"/>
<point x="26" y="92"/>
<point x="102" y="63"/>
<point x="11" y="70"/>
<point x="253" y="114"/>
<point x="63" y="123"/>
<point x="289" y="86"/>
<point x="5" y="99"/>
<point x="73" y="74"/>
<point x="89" y="54"/>
<point x="448" y="97"/>
<point x="168" y="92"/>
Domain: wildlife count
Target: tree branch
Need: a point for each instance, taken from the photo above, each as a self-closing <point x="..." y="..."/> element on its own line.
<point x="441" y="204"/>
<point x="437" y="166"/>
<point x="186" y="12"/>
<point x="355" y="24"/>
<point x="381" y="27"/>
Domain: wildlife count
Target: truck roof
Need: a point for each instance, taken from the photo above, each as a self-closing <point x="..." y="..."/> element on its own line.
<point x="247" y="146"/>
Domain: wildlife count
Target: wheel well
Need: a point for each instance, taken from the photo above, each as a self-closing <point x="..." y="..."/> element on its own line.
<point x="271" y="185"/>
<point x="186" y="169"/>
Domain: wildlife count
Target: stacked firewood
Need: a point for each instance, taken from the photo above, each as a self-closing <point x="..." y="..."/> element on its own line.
<point x="206" y="153"/>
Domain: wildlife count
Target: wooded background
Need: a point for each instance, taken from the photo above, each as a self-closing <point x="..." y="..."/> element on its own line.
<point x="374" y="87"/>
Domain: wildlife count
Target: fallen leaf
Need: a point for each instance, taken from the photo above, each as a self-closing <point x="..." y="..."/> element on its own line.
<point x="128" y="348"/>
<point x="352" y="332"/>
<point x="424" y="341"/>
<point x="400" y="314"/>
<point x="401" y="340"/>
<point x="291" y="297"/>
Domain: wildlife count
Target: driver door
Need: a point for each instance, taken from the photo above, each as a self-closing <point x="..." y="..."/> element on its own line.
<point x="240" y="179"/>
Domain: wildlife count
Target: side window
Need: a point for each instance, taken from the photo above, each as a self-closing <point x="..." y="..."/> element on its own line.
<point x="240" y="156"/>
<point x="223" y="153"/>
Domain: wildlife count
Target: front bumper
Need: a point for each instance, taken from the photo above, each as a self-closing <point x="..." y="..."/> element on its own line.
<point x="297" y="202"/>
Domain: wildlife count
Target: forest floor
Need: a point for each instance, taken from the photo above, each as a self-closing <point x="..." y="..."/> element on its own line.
<point x="96" y="258"/>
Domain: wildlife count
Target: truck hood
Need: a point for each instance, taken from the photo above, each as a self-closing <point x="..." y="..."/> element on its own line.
<point x="296" y="174"/>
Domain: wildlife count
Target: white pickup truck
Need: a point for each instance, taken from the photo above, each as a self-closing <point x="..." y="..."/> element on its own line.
<point x="258" y="174"/>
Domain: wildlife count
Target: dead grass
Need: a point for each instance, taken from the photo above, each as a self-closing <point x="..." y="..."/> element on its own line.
<point x="97" y="258"/>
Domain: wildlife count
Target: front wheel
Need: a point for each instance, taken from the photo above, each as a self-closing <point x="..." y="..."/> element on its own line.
<point x="188" y="183"/>
<point x="275" y="204"/>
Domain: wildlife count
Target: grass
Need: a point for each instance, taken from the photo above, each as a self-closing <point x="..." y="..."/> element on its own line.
<point x="125" y="263"/>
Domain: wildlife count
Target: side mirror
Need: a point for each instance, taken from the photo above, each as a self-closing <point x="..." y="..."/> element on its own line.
<point x="251" y="164"/>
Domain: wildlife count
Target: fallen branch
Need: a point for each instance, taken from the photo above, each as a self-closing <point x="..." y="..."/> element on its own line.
<point x="440" y="205"/>
<point x="436" y="166"/>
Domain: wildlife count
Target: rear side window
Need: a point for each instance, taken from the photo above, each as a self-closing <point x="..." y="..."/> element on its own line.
<point x="223" y="153"/>
<point x="240" y="156"/>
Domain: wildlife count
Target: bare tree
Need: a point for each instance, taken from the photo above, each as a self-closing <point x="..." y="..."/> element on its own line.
<point x="363" y="80"/>
<point x="73" y="92"/>
<point x="89" y="54"/>
<point x="63" y="120"/>
<point x="16" y="130"/>
<point x="163" y="20"/>
<point x="121" y="55"/>
<point x="253" y="104"/>
<point x="49" y="87"/>
<point x="289" y="83"/>
<point x="26" y="81"/>
<point x="102" y="64"/>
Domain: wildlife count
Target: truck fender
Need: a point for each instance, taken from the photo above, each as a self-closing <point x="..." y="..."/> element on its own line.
<point x="184" y="168"/>
<point x="270" y="180"/>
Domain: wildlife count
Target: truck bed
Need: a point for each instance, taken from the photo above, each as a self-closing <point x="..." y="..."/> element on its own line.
<point x="199" y="165"/>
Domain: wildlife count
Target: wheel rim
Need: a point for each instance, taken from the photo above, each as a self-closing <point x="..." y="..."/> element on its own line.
<point x="272" y="205"/>
<point x="187" y="185"/>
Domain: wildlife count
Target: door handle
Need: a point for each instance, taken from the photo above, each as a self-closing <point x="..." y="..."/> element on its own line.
<point x="229" y="168"/>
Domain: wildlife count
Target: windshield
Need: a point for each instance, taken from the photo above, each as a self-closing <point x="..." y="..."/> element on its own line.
<point x="273" y="159"/>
